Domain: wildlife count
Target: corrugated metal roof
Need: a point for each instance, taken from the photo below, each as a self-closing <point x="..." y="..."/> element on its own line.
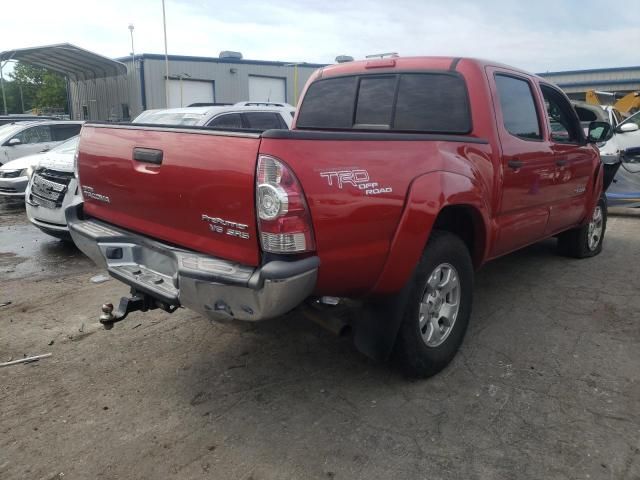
<point x="67" y="59"/>
<point x="236" y="61"/>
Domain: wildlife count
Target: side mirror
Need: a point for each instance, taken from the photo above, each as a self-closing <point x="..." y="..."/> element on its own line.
<point x="599" y="132"/>
<point x="628" y="127"/>
<point x="14" y="141"/>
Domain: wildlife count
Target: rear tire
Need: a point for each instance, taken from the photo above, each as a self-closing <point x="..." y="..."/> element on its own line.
<point x="586" y="241"/>
<point x="438" y="307"/>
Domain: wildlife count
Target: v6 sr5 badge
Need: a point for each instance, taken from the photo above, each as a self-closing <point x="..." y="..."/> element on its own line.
<point x="358" y="178"/>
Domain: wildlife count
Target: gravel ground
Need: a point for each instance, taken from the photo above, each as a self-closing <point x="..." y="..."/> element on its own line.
<point x="546" y="385"/>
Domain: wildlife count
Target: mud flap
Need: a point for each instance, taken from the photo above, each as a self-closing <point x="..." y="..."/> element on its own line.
<point x="377" y="325"/>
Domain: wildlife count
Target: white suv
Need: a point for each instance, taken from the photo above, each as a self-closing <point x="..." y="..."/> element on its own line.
<point x="241" y="116"/>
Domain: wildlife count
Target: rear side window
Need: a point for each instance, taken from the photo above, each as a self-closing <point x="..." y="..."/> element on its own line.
<point x="64" y="132"/>
<point x="229" y="120"/>
<point x="413" y="102"/>
<point x="518" y="107"/>
<point x="264" y="120"/>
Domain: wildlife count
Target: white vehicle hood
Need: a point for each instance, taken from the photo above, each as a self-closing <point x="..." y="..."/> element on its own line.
<point x="24" y="162"/>
<point x="61" y="162"/>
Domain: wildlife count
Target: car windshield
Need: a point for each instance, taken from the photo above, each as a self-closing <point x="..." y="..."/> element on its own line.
<point x="9" y="130"/>
<point x="635" y="118"/>
<point x="171" y="118"/>
<point x="68" y="146"/>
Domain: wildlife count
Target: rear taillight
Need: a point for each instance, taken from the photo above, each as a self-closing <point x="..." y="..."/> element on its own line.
<point x="284" y="221"/>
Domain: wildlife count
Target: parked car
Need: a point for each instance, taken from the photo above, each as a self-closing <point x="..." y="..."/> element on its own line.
<point x="26" y="138"/>
<point x="625" y="188"/>
<point x="243" y="116"/>
<point x="52" y="188"/>
<point x="375" y="196"/>
<point x="14" y="175"/>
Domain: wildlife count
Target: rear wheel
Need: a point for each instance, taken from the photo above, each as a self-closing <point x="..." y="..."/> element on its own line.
<point x="586" y="241"/>
<point x="438" y="309"/>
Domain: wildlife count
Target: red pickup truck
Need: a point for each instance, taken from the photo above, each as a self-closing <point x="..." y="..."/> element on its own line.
<point x="400" y="177"/>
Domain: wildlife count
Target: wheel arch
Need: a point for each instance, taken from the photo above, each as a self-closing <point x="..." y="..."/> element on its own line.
<point x="442" y="200"/>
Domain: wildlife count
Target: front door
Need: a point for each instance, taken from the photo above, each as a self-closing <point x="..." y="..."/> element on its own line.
<point x="528" y="165"/>
<point x="574" y="161"/>
<point x="32" y="140"/>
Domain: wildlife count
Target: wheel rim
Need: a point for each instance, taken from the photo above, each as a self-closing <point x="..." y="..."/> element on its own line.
<point x="440" y="305"/>
<point x="594" y="231"/>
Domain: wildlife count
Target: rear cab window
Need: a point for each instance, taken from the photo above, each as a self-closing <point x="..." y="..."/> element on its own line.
<point x="518" y="107"/>
<point x="429" y="102"/>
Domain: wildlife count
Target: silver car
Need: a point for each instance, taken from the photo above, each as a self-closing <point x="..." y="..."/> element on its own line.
<point x="51" y="189"/>
<point x="26" y="138"/>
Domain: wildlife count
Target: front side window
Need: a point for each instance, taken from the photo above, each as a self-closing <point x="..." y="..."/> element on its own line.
<point x="408" y="102"/>
<point x="563" y="125"/>
<point x="229" y="120"/>
<point x="40" y="134"/>
<point x="518" y="107"/>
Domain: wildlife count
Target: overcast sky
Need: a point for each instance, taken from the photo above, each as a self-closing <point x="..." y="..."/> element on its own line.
<point x="537" y="35"/>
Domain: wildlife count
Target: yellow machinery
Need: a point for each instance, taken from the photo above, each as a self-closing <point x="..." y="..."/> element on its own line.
<point x="627" y="105"/>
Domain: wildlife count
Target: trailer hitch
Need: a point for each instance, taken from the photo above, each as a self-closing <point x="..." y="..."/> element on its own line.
<point x="137" y="302"/>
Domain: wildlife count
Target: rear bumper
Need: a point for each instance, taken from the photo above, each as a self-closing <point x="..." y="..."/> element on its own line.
<point x="210" y="286"/>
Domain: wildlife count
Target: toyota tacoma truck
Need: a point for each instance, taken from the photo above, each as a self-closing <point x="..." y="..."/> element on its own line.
<point x="399" y="179"/>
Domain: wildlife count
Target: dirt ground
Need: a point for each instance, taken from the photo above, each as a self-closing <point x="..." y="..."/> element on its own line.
<point x="546" y="385"/>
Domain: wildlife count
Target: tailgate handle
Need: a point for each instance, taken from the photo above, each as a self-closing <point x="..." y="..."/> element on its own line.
<point x="148" y="155"/>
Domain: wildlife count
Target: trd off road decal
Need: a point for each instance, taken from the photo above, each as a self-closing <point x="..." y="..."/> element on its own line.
<point x="357" y="178"/>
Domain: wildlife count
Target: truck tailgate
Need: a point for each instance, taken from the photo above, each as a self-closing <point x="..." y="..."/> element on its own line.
<point x="192" y="188"/>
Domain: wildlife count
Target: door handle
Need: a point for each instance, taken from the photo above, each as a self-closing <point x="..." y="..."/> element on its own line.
<point x="515" y="164"/>
<point x="561" y="162"/>
<point x="148" y="155"/>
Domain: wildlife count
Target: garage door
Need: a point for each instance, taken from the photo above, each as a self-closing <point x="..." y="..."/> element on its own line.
<point x="192" y="91"/>
<point x="266" y="89"/>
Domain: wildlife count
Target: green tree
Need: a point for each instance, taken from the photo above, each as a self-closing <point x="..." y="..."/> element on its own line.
<point x="41" y="88"/>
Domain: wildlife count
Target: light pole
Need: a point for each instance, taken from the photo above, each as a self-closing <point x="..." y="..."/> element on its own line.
<point x="295" y="80"/>
<point x="166" y="57"/>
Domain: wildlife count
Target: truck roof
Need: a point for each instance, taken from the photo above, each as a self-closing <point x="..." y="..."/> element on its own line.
<point x="409" y="63"/>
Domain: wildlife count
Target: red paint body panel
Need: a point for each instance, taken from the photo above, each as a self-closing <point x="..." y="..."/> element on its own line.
<point x="200" y="174"/>
<point x="367" y="244"/>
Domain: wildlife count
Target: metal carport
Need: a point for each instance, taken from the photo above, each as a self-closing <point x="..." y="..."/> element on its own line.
<point x="82" y="67"/>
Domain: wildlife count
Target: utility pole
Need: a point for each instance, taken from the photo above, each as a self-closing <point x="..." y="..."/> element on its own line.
<point x="166" y="57"/>
<point x="4" y="98"/>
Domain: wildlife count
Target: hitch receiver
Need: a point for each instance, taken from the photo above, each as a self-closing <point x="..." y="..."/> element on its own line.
<point x="136" y="302"/>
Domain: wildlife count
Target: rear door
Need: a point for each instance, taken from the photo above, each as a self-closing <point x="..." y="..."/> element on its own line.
<point x="528" y="164"/>
<point x="574" y="161"/>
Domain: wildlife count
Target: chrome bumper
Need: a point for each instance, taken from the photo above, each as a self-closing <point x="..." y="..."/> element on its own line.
<point x="216" y="288"/>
